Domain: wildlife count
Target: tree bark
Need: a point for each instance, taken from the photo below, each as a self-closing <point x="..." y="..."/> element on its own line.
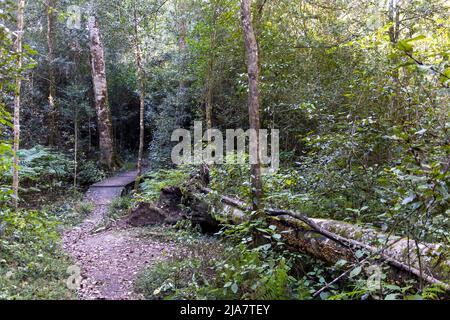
<point x="251" y="48"/>
<point x="210" y="83"/>
<point x="53" y="134"/>
<point x="18" y="84"/>
<point x="140" y="77"/>
<point x="181" y="97"/>
<point x="106" y="144"/>
<point x="182" y="28"/>
<point x="210" y="74"/>
<point x="394" y="33"/>
<point x="76" y="52"/>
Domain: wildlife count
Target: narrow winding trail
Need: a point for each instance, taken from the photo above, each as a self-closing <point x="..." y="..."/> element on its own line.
<point x="110" y="258"/>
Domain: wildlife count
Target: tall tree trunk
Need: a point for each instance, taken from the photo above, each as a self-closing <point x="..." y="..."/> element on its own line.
<point x="209" y="90"/>
<point x="210" y="75"/>
<point x="394" y="33"/>
<point x="76" y="53"/>
<point x="182" y="28"/>
<point x="140" y="76"/>
<point x="106" y="144"/>
<point x="251" y="48"/>
<point x="53" y="134"/>
<point x="18" y="47"/>
<point x="75" y="147"/>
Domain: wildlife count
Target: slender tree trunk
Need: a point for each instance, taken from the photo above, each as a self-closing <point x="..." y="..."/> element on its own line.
<point x="76" y="50"/>
<point x="182" y="28"/>
<point x="54" y="132"/>
<point x="394" y="32"/>
<point x="251" y="48"/>
<point x="209" y="92"/>
<point x="210" y="75"/>
<point x="140" y="76"/>
<point x="89" y="134"/>
<point x="18" y="45"/>
<point x="106" y="143"/>
<point x="75" y="156"/>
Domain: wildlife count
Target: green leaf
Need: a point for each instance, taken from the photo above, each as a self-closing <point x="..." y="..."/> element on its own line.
<point x="340" y="263"/>
<point x="277" y="236"/>
<point x="392" y="296"/>
<point x="355" y="272"/>
<point x="445" y="75"/>
<point x="420" y="37"/>
<point x="359" y="253"/>
<point x="414" y="297"/>
<point x="408" y="199"/>
<point x="405" y="46"/>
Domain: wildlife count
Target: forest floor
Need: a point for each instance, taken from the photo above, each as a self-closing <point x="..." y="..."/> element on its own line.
<point x="110" y="255"/>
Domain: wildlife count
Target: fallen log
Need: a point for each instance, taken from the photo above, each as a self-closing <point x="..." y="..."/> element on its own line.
<point x="351" y="243"/>
<point x="345" y="238"/>
<point x="328" y="240"/>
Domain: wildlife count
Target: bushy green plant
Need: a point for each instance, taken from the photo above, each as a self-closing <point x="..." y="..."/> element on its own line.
<point x="85" y="207"/>
<point x="236" y="272"/>
<point x="128" y="166"/>
<point x="119" y="207"/>
<point x="185" y="274"/>
<point x="89" y="173"/>
<point x="42" y="169"/>
<point x="232" y="178"/>
<point x="154" y="181"/>
<point x="32" y="262"/>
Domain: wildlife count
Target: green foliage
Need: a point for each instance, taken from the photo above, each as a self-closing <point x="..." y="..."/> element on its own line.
<point x="186" y="273"/>
<point x="253" y="274"/>
<point x="8" y="72"/>
<point x="359" y="92"/>
<point x="154" y="181"/>
<point x="231" y="178"/>
<point x="5" y="167"/>
<point x="89" y="173"/>
<point x="45" y="170"/>
<point x="371" y="285"/>
<point x="234" y="273"/>
<point x="176" y="279"/>
<point x="32" y="265"/>
<point x="128" y="166"/>
<point x="119" y="207"/>
<point x="41" y="168"/>
<point x="85" y="208"/>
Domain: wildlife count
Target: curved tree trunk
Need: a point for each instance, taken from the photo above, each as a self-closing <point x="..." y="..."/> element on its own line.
<point x="106" y="143"/>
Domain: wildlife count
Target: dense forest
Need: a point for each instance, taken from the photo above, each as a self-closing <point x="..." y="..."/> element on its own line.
<point x="353" y="203"/>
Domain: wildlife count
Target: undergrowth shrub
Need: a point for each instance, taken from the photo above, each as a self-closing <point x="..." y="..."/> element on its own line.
<point x="154" y="181"/>
<point x="89" y="172"/>
<point x="119" y="207"/>
<point x="32" y="262"/>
